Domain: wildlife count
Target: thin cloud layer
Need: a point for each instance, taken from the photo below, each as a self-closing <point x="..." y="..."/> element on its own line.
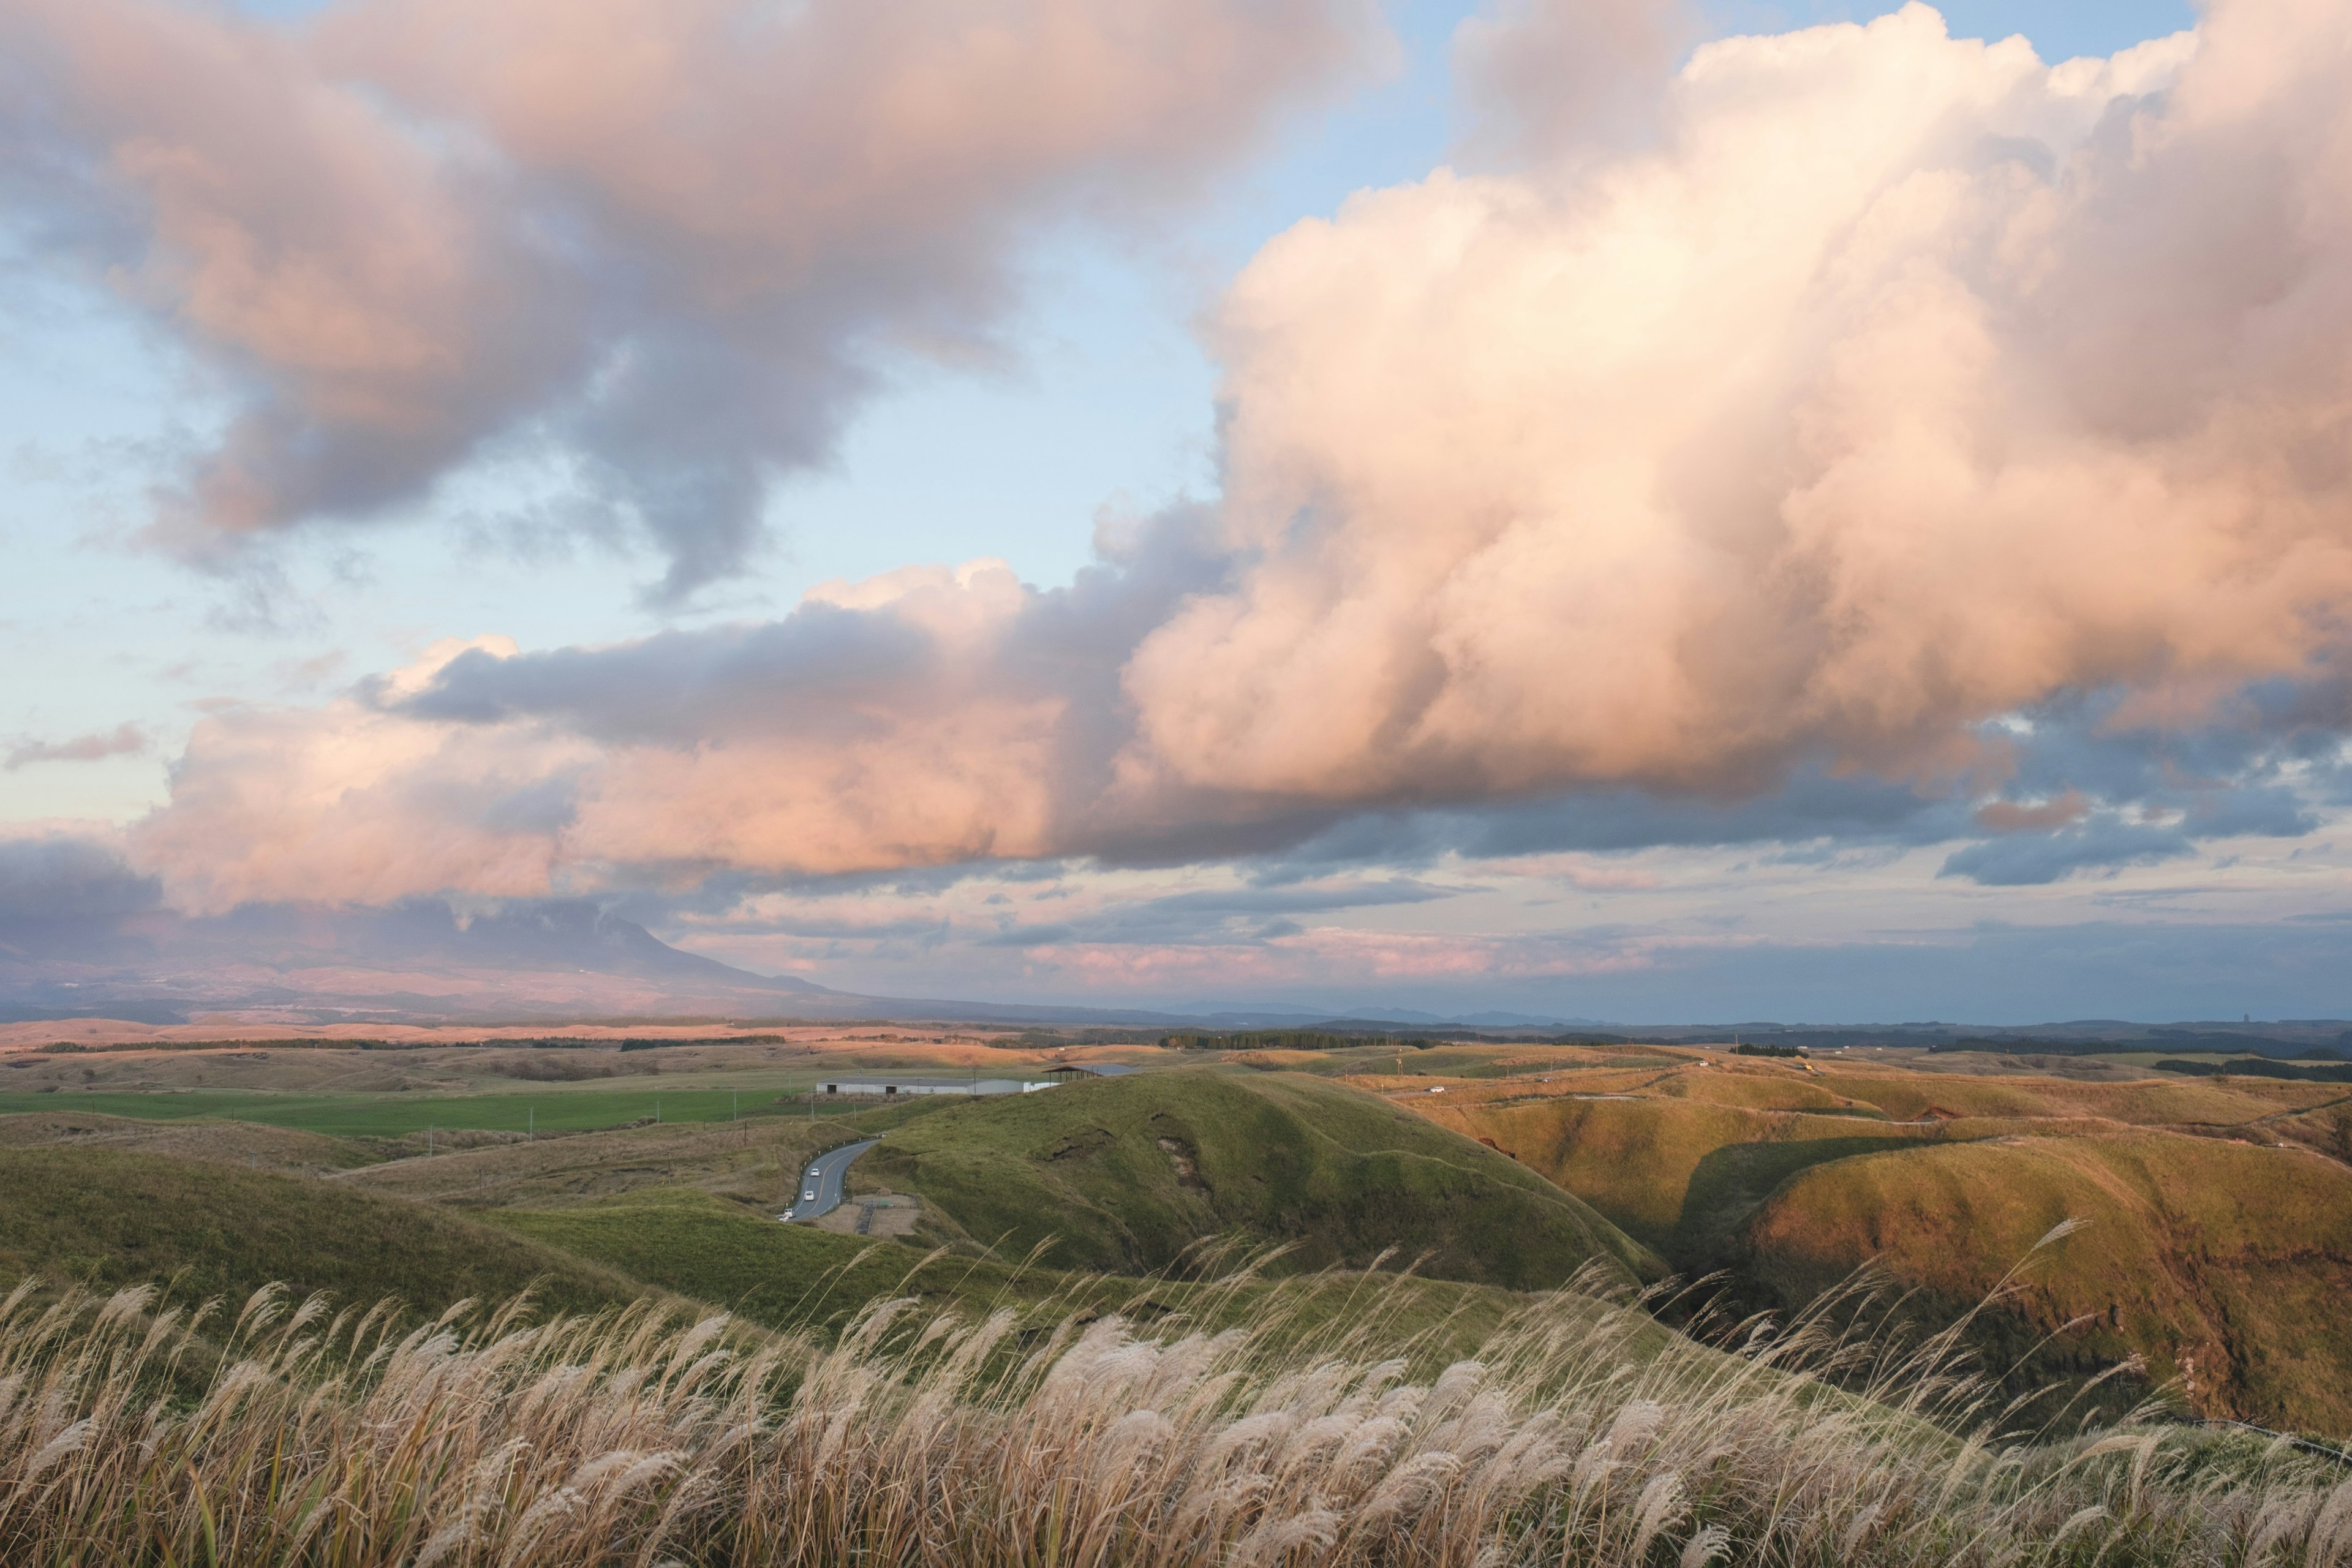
<point x="677" y="237"/>
<point x="122" y="740"/>
<point x="1904" y="394"/>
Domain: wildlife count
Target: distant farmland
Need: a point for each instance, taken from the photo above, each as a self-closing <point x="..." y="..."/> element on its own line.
<point x="549" y="1108"/>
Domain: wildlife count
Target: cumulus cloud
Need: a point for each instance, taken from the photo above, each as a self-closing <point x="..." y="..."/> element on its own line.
<point x="680" y="238"/>
<point x="1909" y="427"/>
<point x="1822" y="430"/>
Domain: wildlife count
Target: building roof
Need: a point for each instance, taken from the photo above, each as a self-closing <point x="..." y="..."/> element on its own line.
<point x="916" y="1080"/>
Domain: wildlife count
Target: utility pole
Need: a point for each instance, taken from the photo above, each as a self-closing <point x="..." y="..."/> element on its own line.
<point x="531" y="1124"/>
<point x="737" y="1114"/>
<point x="428" y="1140"/>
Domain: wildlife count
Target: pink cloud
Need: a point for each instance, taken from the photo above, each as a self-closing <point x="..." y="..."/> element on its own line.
<point x="2037" y="816"/>
<point x="678" y="236"/>
<point x="122" y="740"/>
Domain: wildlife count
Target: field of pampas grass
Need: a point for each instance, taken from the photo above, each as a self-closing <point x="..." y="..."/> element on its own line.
<point x="133" y="1432"/>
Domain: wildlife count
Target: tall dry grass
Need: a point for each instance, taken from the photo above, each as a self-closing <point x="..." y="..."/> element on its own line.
<point x="132" y="1432"/>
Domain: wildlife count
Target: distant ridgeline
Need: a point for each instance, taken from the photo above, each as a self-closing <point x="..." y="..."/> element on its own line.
<point x="1753" y="1050"/>
<point x="308" y="1043"/>
<point x="1287" y="1041"/>
<point x="2224" y="1043"/>
<point x="1329" y="1040"/>
<point x="2262" y="1067"/>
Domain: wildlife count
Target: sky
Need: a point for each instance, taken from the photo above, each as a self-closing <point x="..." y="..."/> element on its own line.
<point x="1582" y="507"/>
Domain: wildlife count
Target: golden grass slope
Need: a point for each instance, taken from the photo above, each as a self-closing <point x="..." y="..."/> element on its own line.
<point x="2216" y="1253"/>
<point x="2228" y="1265"/>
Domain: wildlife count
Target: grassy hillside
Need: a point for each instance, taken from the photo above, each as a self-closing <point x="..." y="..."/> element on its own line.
<point x="2212" y="1252"/>
<point x="1124" y="1174"/>
<point x="797" y="1277"/>
<point x="2227" y="1265"/>
<point x="234" y="1143"/>
<point x="1677" y="1174"/>
<point x="113" y="1217"/>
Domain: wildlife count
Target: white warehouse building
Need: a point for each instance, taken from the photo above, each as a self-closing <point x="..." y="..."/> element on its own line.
<point x="889" y="1086"/>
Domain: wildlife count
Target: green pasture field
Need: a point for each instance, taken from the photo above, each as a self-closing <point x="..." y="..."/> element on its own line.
<point x="524" y="1106"/>
<point x="548" y="1107"/>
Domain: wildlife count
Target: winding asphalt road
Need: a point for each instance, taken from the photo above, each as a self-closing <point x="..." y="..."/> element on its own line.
<point x="823" y="1176"/>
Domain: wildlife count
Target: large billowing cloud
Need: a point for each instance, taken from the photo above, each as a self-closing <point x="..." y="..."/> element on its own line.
<point x="676" y="236"/>
<point x="1904" y="403"/>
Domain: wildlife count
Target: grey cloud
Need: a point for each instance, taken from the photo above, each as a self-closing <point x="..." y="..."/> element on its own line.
<point x="2222" y="779"/>
<point x="2103" y="845"/>
<point x="1809" y="807"/>
<point x="56" y="878"/>
<point x="2268" y="811"/>
<point x="1030" y="936"/>
<point x="681" y="688"/>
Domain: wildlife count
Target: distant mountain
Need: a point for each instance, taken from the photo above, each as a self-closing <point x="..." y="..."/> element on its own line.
<point x="421" y="961"/>
<point x="552" y="959"/>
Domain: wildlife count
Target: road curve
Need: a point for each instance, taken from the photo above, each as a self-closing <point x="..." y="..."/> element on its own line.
<point x="823" y="1177"/>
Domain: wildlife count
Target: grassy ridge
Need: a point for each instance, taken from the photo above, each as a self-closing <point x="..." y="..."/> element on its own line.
<point x="2227" y="1265"/>
<point x="2221" y="1261"/>
<point x="1677" y="1174"/>
<point x="113" y="1217"/>
<point x="1123" y="1174"/>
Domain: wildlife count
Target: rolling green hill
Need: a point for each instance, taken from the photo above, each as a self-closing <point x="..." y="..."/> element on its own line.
<point x="115" y="1218"/>
<point x="223" y="1207"/>
<point x="691" y="1242"/>
<point x="1123" y="1174"/>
